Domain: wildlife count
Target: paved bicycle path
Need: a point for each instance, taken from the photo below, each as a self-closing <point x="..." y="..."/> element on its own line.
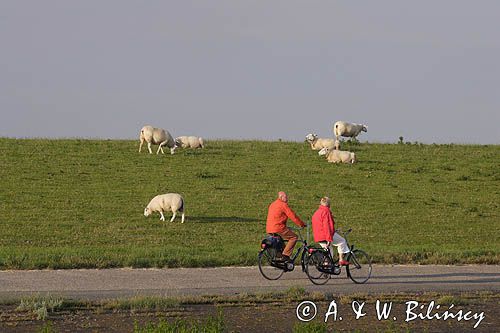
<point x="126" y="282"/>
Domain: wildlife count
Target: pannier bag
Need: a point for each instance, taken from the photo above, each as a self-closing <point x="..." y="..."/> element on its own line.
<point x="275" y="242"/>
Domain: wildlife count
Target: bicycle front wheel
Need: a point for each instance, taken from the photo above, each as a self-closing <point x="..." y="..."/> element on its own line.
<point x="266" y="260"/>
<point x="312" y="264"/>
<point x="359" y="269"/>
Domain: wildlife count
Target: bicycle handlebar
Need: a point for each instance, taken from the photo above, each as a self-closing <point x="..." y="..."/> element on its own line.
<point x="344" y="233"/>
<point x="299" y="231"/>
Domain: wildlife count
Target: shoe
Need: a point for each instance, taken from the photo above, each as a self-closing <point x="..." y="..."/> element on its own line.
<point x="343" y="263"/>
<point x="283" y="258"/>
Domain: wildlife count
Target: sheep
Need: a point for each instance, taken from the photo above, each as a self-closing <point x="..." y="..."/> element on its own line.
<point x="156" y="136"/>
<point x="319" y="143"/>
<point x="342" y="128"/>
<point x="166" y="202"/>
<point x="338" y="156"/>
<point x="189" y="142"/>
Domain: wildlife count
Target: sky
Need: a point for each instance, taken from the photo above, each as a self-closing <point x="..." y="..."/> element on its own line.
<point x="425" y="70"/>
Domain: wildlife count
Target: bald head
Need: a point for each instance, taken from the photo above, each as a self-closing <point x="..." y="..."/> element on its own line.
<point x="282" y="196"/>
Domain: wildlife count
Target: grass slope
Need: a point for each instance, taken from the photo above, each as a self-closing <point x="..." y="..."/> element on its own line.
<point x="79" y="203"/>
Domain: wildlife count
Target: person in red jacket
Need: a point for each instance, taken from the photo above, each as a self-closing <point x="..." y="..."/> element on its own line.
<point x="278" y="213"/>
<point x="324" y="233"/>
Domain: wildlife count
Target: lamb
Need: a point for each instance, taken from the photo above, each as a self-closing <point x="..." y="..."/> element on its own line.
<point x="342" y="128"/>
<point x="338" y="156"/>
<point x="166" y="202"/>
<point x="189" y="142"/>
<point x="156" y="136"/>
<point x="319" y="143"/>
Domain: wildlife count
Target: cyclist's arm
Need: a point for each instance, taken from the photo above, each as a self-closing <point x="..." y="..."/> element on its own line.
<point x="292" y="216"/>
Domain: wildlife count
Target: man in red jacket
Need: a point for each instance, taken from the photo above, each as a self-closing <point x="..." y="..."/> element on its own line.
<point x="277" y="215"/>
<point x="324" y="231"/>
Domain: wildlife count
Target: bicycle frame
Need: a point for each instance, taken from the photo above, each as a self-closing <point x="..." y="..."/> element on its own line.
<point x="300" y="251"/>
<point x="351" y="247"/>
<point x="334" y="257"/>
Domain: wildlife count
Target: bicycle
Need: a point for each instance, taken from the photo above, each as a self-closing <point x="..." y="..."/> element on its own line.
<point x="320" y="265"/>
<point x="272" y="268"/>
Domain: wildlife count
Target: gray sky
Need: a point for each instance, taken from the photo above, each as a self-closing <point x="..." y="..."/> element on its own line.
<point x="426" y="70"/>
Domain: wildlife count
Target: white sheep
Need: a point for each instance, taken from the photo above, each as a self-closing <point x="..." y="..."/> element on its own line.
<point x="170" y="202"/>
<point x="342" y="128"/>
<point x="338" y="156"/>
<point x="319" y="143"/>
<point x="189" y="142"/>
<point x="156" y="136"/>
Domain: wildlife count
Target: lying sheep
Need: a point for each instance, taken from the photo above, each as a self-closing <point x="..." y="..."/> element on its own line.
<point x="156" y="136"/>
<point x="319" y="143"/>
<point x="338" y="156"/>
<point x="189" y="142"/>
<point x="342" y="128"/>
<point x="170" y="202"/>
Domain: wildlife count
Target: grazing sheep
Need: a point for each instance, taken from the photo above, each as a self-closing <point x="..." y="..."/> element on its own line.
<point x="338" y="156"/>
<point x="170" y="202"/>
<point x="342" y="128"/>
<point x="156" y="136"/>
<point x="319" y="143"/>
<point x="189" y="142"/>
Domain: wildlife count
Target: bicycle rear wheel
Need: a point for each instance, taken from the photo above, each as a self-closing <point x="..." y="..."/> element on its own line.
<point x="266" y="260"/>
<point x="312" y="264"/>
<point x="359" y="269"/>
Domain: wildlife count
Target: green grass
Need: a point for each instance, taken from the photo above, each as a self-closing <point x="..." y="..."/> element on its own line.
<point x="79" y="203"/>
<point x="314" y="327"/>
<point x="47" y="328"/>
<point x="40" y="306"/>
<point x="211" y="325"/>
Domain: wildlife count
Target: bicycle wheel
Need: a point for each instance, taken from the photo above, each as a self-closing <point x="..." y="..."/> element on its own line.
<point x="312" y="264"/>
<point x="360" y="266"/>
<point x="266" y="259"/>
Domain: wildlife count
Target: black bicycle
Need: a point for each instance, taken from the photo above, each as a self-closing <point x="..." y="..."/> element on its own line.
<point x="320" y="265"/>
<point x="271" y="266"/>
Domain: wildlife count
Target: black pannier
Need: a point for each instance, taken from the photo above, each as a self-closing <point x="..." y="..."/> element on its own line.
<point x="275" y="242"/>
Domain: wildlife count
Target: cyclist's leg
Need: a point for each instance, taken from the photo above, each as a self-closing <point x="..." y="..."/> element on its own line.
<point x="291" y="237"/>
<point x="341" y="245"/>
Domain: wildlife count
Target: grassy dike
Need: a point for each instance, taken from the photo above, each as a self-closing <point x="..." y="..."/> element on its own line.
<point x="79" y="203"/>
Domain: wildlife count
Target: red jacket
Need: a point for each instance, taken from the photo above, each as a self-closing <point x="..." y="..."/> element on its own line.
<point x="323" y="224"/>
<point x="277" y="216"/>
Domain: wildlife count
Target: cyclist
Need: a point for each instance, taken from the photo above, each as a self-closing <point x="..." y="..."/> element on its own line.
<point x="323" y="226"/>
<point x="277" y="215"/>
